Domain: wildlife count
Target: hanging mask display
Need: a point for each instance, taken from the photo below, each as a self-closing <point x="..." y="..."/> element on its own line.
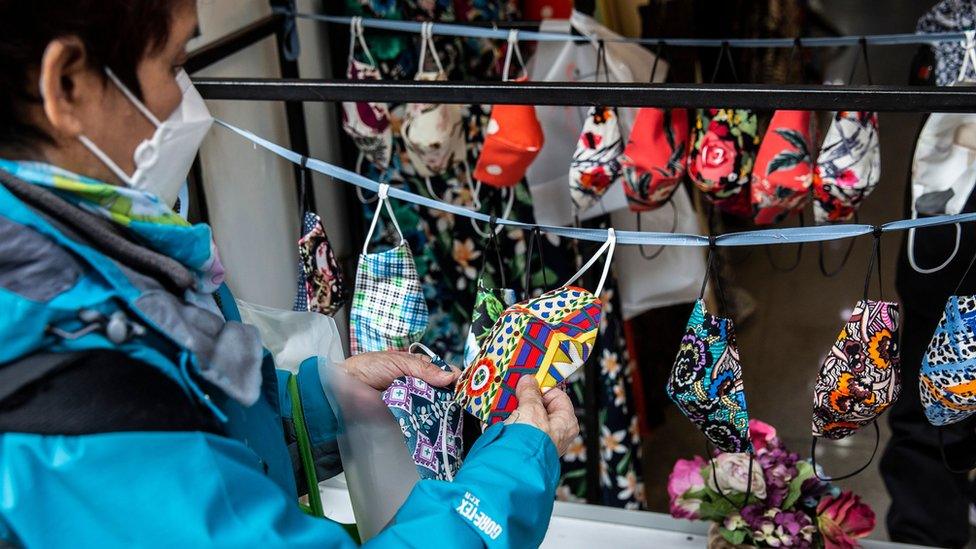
<point x="325" y="288"/>
<point x="783" y="173"/>
<point x="430" y="419"/>
<point x="653" y="162"/>
<point x="432" y="134"/>
<point x="706" y="379"/>
<point x="513" y="137"/>
<point x="848" y="167"/>
<point x="367" y="123"/>
<point x="723" y="152"/>
<point x="947" y="380"/>
<point x="860" y="378"/>
<point x="596" y="162"/>
<point x="388" y="310"/>
<point x="548" y="337"/>
<point x="489" y="303"/>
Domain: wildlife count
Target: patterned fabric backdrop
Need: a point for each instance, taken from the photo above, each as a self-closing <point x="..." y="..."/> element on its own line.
<point x="449" y="252"/>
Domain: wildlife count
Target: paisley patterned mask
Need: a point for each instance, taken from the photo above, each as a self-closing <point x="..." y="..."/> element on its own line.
<point x="549" y="337"/>
<point x="430" y="419"/>
<point x="724" y="145"/>
<point x="596" y="163"/>
<point x="706" y="379"/>
<point x="784" y="168"/>
<point x="654" y="160"/>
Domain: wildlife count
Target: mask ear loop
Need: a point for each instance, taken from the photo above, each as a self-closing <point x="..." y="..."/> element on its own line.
<point x="710" y="267"/>
<point x="302" y="188"/>
<point x="608" y="246"/>
<point x="491" y="241"/>
<point x="813" y="457"/>
<point x="661" y="45"/>
<point x="711" y="462"/>
<point x="427" y="42"/>
<point x="968" y="55"/>
<point x="821" y="259"/>
<point x="796" y="260"/>
<point x="875" y="258"/>
<point x="796" y="49"/>
<point x="725" y="52"/>
<point x="674" y="227"/>
<point x="511" y="47"/>
<point x="383" y="201"/>
<point x="356" y="35"/>
<point x="867" y="64"/>
<point x="535" y="239"/>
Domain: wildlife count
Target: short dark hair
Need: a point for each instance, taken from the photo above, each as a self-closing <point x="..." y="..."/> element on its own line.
<point x="116" y="34"/>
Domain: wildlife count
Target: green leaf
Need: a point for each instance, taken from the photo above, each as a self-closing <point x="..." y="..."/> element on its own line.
<point x="735" y="537"/>
<point x="796" y="139"/>
<point x="716" y="511"/>
<point x="784" y="161"/>
<point x="803" y="471"/>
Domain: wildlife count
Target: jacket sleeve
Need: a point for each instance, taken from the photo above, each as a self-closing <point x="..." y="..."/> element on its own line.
<point x="502" y="496"/>
<point x="148" y="489"/>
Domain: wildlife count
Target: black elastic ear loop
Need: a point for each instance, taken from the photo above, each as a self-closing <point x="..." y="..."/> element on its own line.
<point x="661" y="44"/>
<point x="964" y="275"/>
<point x="601" y="60"/>
<point x="535" y="240"/>
<point x="867" y="64"/>
<point x="303" y="186"/>
<point x="843" y="262"/>
<point x="875" y="258"/>
<point x="674" y="227"/>
<point x="727" y="51"/>
<point x="711" y="462"/>
<point x="796" y="261"/>
<point x="813" y="456"/>
<point x="709" y="268"/>
<point x="492" y="242"/>
<point x="796" y="49"/>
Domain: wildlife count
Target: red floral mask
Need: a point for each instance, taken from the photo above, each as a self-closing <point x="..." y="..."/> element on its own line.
<point x="784" y="167"/>
<point x="654" y="160"/>
<point x="724" y="144"/>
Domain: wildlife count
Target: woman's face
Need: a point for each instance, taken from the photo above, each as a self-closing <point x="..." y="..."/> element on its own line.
<point x="80" y="100"/>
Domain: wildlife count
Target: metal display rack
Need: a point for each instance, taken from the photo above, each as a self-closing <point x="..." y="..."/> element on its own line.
<point x="294" y="91"/>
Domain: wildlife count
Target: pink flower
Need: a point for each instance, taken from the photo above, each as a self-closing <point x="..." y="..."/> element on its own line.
<point x="843" y="520"/>
<point x="716" y="159"/>
<point x="685" y="477"/>
<point x="762" y="434"/>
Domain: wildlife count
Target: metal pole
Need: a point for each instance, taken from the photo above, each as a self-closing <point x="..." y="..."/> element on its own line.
<point x="740" y="96"/>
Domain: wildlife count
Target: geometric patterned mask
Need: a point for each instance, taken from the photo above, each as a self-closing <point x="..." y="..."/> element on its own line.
<point x="548" y="337"/>
<point x="947" y="382"/>
<point x="430" y="419"/>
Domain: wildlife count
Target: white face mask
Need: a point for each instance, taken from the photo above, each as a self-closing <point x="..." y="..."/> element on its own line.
<point x="163" y="161"/>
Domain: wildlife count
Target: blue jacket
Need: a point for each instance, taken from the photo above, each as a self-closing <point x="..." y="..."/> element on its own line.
<point x="181" y="488"/>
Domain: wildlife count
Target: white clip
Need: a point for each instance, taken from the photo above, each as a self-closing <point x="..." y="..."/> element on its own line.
<point x="512" y="36"/>
<point x="384" y="191"/>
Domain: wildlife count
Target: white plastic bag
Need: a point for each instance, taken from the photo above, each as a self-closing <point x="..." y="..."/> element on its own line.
<point x="577" y="62"/>
<point x="672" y="277"/>
<point x="378" y="468"/>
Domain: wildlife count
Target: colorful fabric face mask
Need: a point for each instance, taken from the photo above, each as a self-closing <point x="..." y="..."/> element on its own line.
<point x="596" y="162"/>
<point x="947" y="380"/>
<point x="368" y="124"/>
<point x="513" y="137"/>
<point x="430" y="419"/>
<point x="859" y="378"/>
<point x="848" y="167"/>
<point x="723" y="152"/>
<point x="706" y="379"/>
<point x="548" y="337"/>
<point x="654" y="160"/>
<point x="784" y="167"/>
<point x="489" y="304"/>
<point x="324" y="286"/>
<point x="388" y="309"/>
<point x="432" y="134"/>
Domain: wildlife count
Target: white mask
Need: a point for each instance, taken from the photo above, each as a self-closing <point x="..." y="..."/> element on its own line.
<point x="163" y="161"/>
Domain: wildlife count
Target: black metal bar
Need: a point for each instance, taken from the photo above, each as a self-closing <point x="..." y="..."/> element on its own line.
<point x="294" y="114"/>
<point x="755" y="96"/>
<point x="232" y="43"/>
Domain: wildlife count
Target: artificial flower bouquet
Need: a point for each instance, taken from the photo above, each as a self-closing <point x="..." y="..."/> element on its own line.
<point x="788" y="505"/>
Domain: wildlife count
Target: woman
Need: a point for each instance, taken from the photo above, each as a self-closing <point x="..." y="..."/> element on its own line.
<point x="134" y="409"/>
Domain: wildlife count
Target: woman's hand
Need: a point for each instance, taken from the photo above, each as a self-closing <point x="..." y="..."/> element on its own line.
<point x="551" y="412"/>
<point x="379" y="369"/>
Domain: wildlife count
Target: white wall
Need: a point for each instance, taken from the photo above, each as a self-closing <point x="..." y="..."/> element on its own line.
<point x="251" y="194"/>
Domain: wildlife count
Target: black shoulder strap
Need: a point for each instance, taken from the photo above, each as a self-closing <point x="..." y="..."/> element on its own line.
<point x="18" y="374"/>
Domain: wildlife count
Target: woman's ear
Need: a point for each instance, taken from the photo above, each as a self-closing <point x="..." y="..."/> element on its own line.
<point x="66" y="80"/>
